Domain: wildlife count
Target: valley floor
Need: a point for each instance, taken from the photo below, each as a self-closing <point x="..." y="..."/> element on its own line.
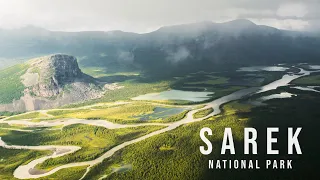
<point x="95" y="140"/>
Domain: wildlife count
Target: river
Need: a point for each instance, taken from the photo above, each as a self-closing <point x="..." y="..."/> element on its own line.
<point x="24" y="171"/>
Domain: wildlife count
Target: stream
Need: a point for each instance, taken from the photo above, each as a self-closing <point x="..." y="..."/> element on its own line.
<point x="25" y="171"/>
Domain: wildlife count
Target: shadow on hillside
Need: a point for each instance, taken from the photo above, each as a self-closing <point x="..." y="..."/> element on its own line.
<point x="301" y="111"/>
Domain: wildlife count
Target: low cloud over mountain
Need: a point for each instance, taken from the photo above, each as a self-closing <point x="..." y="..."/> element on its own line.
<point x="195" y="46"/>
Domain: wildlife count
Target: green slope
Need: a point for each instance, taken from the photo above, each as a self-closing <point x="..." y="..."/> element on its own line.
<point x="11" y="85"/>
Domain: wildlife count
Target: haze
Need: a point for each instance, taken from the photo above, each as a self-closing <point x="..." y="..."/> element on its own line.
<point x="147" y="15"/>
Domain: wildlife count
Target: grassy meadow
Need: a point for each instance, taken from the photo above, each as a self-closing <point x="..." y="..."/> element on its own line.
<point x="202" y="113"/>
<point x="32" y="115"/>
<point x="172" y="155"/>
<point x="166" y="155"/>
<point x="312" y="80"/>
<point x="93" y="140"/>
<point x="11" y="85"/>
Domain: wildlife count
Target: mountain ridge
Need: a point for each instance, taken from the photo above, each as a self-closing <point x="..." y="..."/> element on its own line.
<point x="235" y="22"/>
<point x="234" y="43"/>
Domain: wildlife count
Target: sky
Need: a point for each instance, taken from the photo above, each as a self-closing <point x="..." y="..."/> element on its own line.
<point x="147" y="15"/>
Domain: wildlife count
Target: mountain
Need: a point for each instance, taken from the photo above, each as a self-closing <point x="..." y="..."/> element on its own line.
<point x="47" y="82"/>
<point x="178" y="49"/>
<point x="209" y="46"/>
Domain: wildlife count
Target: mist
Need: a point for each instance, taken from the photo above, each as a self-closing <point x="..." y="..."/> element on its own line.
<point x="143" y="16"/>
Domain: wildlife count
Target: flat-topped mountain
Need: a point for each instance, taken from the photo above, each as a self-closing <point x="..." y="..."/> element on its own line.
<point x="47" y="75"/>
<point x="51" y="81"/>
<point x="60" y="67"/>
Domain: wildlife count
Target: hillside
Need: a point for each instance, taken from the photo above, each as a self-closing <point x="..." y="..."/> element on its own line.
<point x="46" y="82"/>
<point x="178" y="49"/>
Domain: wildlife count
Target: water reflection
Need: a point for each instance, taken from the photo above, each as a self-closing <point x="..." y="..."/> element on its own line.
<point x="263" y="68"/>
<point x="315" y="67"/>
<point x="284" y="81"/>
<point x="176" y="95"/>
<point x="308" y="88"/>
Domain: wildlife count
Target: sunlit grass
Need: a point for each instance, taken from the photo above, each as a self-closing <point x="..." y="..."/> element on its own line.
<point x="124" y="112"/>
<point x="175" y="150"/>
<point x="33" y="115"/>
<point x="94" y="141"/>
<point x="202" y="113"/>
<point x="11" y="85"/>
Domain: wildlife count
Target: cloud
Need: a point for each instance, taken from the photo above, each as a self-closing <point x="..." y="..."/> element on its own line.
<point x="291" y="15"/>
<point x="125" y="56"/>
<point x="147" y="15"/>
<point x="292" y="9"/>
<point x="182" y="53"/>
<point x="289" y="24"/>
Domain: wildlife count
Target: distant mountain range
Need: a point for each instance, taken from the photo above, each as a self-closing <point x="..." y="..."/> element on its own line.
<point x="175" y="49"/>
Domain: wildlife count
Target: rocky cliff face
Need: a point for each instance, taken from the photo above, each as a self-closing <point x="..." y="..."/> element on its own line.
<point x="63" y="67"/>
<point x="53" y="81"/>
<point x="54" y="72"/>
